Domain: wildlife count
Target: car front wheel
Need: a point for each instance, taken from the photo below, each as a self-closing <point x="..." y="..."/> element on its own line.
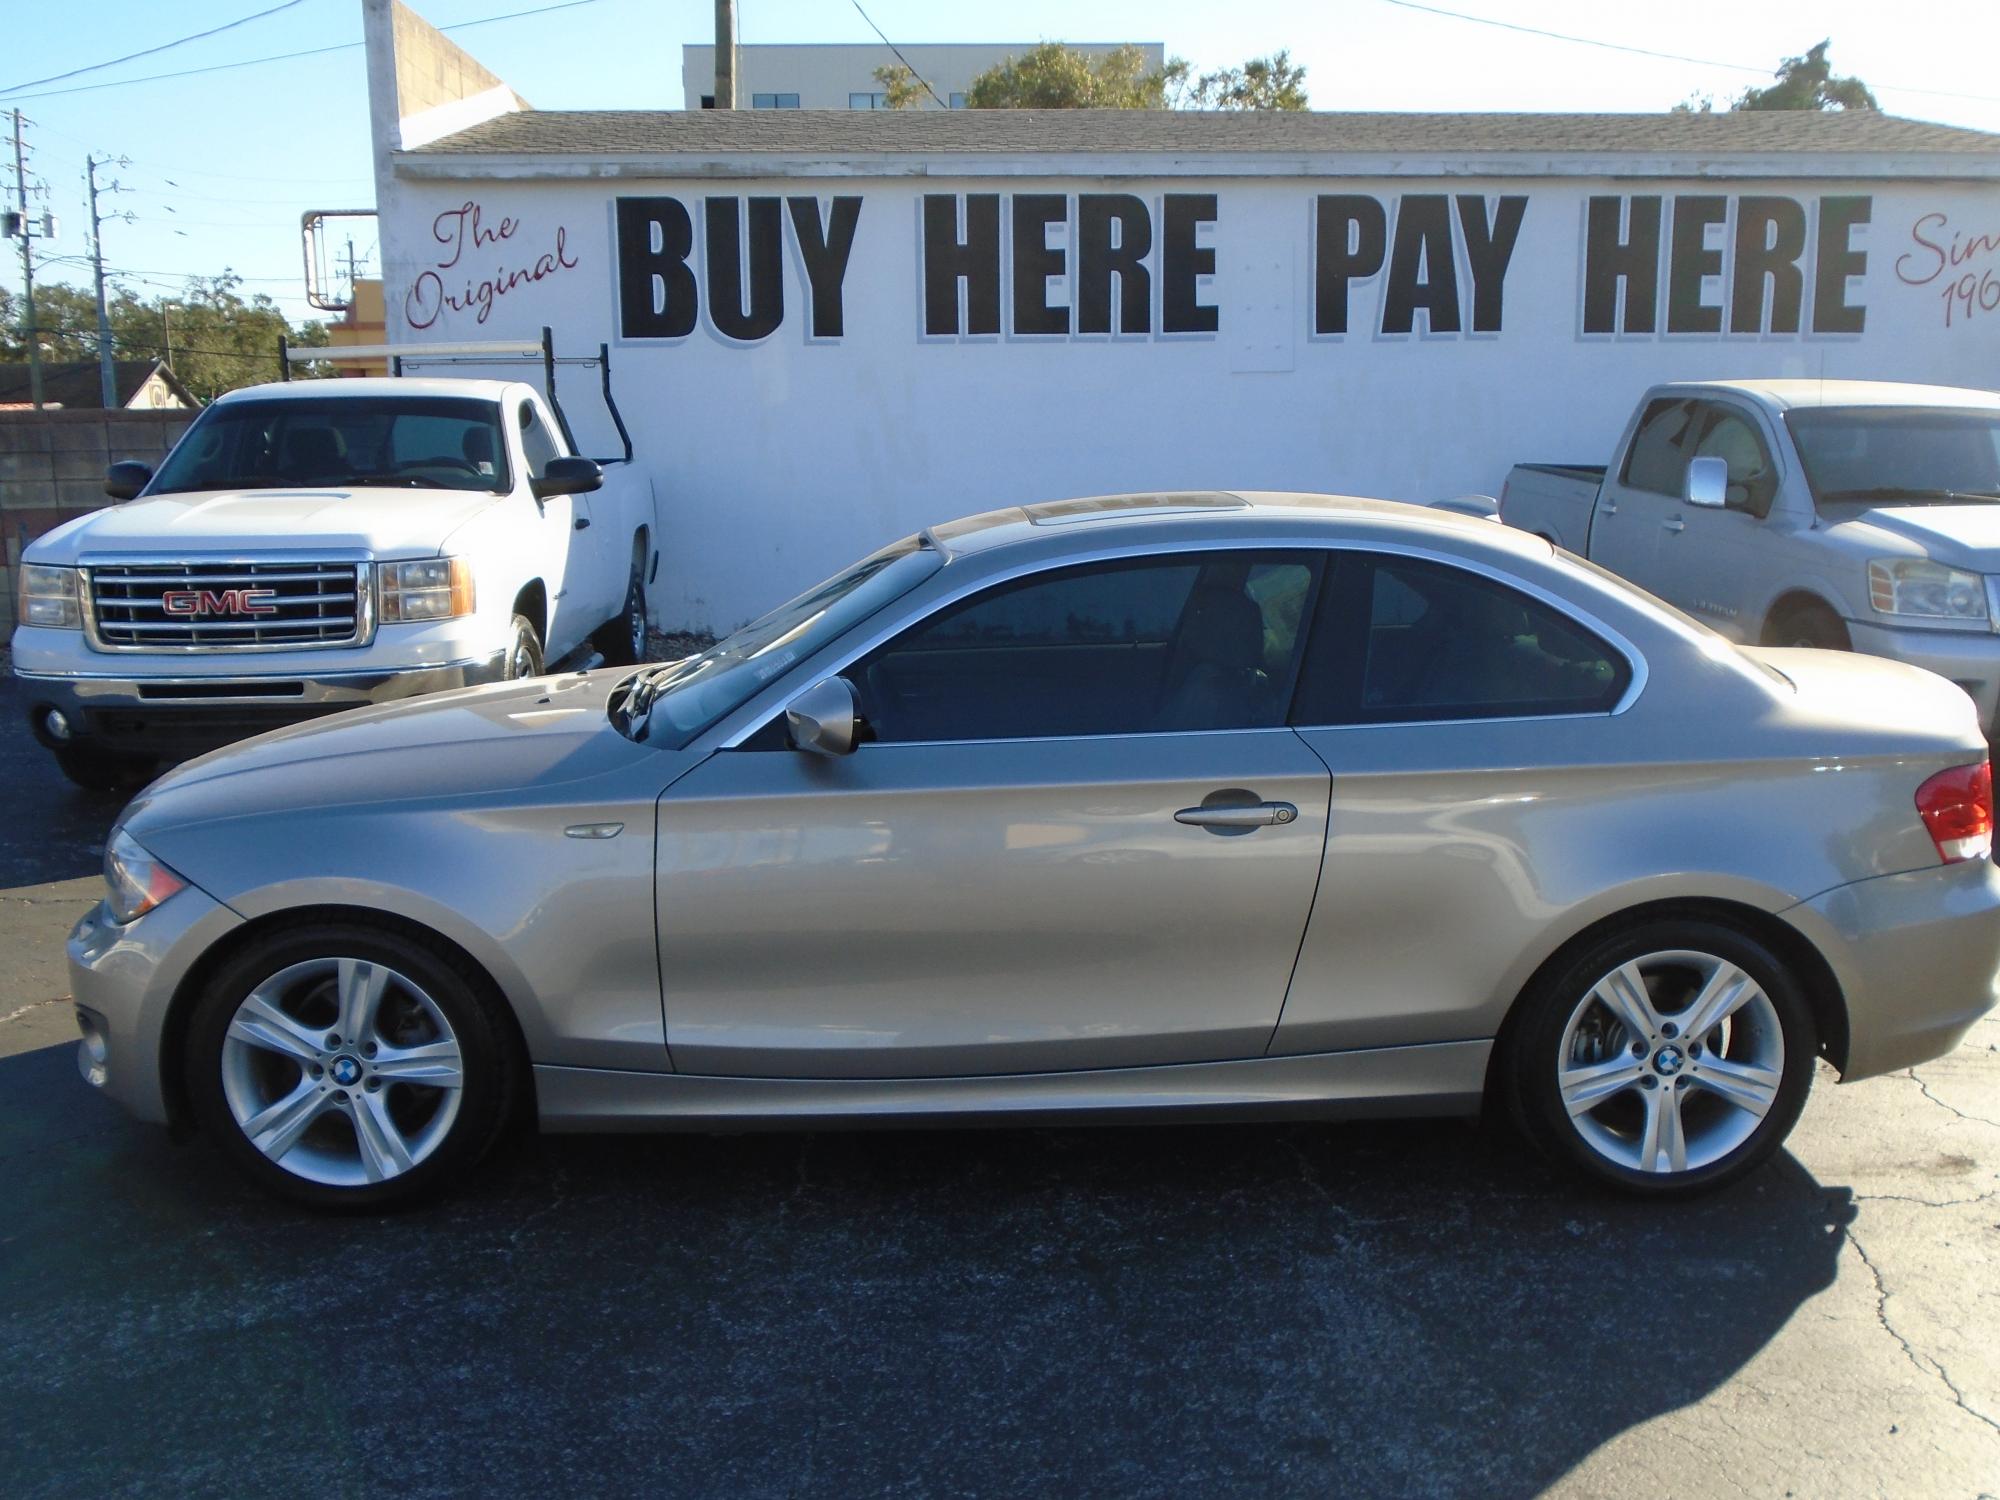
<point x="1670" y="1058"/>
<point x="346" y="1067"/>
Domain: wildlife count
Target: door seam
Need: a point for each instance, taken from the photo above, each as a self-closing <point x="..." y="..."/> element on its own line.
<point x="1319" y="875"/>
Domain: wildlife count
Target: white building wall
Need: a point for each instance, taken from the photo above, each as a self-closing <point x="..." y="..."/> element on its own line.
<point x="828" y="76"/>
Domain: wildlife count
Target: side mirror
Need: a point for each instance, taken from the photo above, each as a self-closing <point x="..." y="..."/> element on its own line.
<point x="823" y="719"/>
<point x="1707" y="483"/>
<point x="567" y="476"/>
<point x="124" y="480"/>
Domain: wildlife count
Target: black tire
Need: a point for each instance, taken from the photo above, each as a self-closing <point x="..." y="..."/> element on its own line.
<point x="103" y="770"/>
<point x="524" y="651"/>
<point x="1807" y="623"/>
<point x="1541" y="1042"/>
<point x="622" y="641"/>
<point x="488" y="1060"/>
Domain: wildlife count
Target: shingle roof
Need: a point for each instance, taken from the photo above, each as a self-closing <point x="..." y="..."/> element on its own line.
<point x="1009" y="132"/>
<point x="76" y="383"/>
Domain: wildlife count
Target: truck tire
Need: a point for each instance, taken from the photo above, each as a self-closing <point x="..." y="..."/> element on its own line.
<point x="621" y="641"/>
<point x="524" y="651"/>
<point x="1807" y="623"/>
<point x="103" y="770"/>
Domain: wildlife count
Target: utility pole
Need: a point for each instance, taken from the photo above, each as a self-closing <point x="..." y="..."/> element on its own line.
<point x="107" y="374"/>
<point x="29" y="332"/>
<point x="725" y="54"/>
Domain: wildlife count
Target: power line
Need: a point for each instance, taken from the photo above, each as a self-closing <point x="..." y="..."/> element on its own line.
<point x="899" y="55"/>
<point x="1700" y="62"/>
<point x="150" y="51"/>
<point x="252" y="62"/>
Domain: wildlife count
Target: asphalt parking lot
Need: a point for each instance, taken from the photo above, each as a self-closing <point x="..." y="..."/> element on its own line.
<point x="1411" y="1310"/>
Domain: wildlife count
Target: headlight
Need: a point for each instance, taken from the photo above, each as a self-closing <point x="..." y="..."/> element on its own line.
<point x="50" y="597"/>
<point x="136" y="881"/>
<point x="1917" y="586"/>
<point x="438" y="588"/>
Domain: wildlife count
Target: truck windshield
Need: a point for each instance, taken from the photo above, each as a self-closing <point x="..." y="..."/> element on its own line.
<point x="332" y="442"/>
<point x="1898" y="454"/>
<point x="669" y="705"/>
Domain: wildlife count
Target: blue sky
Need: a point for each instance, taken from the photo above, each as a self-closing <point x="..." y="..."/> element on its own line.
<point x="223" y="163"/>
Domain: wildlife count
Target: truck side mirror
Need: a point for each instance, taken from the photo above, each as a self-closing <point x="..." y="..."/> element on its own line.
<point x="823" y="720"/>
<point x="567" y="476"/>
<point x="124" y="480"/>
<point x="1707" y="483"/>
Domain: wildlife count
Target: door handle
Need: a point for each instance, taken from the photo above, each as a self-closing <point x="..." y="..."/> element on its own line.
<point x="1675" y="525"/>
<point x="1256" y="815"/>
<point x="581" y="523"/>
<point x="1608" y="508"/>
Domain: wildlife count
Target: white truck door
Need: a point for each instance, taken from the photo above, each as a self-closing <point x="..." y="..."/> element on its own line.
<point x="1641" y="491"/>
<point x="1707" y="559"/>
<point x="563" y="543"/>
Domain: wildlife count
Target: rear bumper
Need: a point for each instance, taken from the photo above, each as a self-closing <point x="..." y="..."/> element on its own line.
<point x="175" y="717"/>
<point x="1917" y="956"/>
<point x="1970" y="658"/>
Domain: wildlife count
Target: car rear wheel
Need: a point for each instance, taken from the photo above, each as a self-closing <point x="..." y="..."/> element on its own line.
<point x="1668" y="1059"/>
<point x="349" y="1068"/>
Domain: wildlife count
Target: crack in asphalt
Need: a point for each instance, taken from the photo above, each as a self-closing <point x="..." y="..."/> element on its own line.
<point x="1925" y="1202"/>
<point x="32" y="1005"/>
<point x="1923" y="1363"/>
<point x="1942" y="1104"/>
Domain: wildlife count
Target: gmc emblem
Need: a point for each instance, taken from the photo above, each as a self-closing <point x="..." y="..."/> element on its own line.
<point x="219" y="601"/>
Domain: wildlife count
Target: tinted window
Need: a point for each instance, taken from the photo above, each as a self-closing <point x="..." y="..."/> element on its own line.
<point x="1196" y="641"/>
<point x="1753" y="483"/>
<point x="1401" y="640"/>
<point x="1658" y="460"/>
<point x="537" y="447"/>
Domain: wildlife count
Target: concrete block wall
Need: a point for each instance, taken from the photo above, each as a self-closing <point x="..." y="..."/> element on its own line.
<point x="52" y="467"/>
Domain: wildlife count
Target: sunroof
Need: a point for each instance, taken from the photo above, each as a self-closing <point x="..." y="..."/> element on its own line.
<point x="1057" y="512"/>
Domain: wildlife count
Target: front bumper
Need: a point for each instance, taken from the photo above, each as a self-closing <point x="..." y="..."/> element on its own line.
<point x="124" y="979"/>
<point x="1970" y="658"/>
<point x="1917" y="957"/>
<point x="184" y="716"/>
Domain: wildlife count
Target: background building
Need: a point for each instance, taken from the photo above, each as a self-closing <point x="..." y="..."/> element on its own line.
<point x="140" y="384"/>
<point x="842" y="75"/>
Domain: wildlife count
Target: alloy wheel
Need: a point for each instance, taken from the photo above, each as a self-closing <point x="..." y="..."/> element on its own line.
<point x="342" y="1071"/>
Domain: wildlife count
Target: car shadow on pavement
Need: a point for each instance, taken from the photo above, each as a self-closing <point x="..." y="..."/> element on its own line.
<point x="1364" y="1309"/>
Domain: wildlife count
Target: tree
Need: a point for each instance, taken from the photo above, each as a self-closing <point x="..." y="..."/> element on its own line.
<point x="1052" y="76"/>
<point x="1808" y="83"/>
<point x="214" y="338"/>
<point x="1263" y="83"/>
<point x="902" y="87"/>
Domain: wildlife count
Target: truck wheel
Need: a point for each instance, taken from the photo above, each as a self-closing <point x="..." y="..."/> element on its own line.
<point x="104" y="771"/>
<point x="1807" y="624"/>
<point x="622" y="641"/>
<point x="524" y="652"/>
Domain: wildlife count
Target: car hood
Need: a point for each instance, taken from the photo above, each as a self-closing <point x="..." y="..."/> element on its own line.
<point x="513" y="740"/>
<point x="377" y="522"/>
<point x="1966" y="536"/>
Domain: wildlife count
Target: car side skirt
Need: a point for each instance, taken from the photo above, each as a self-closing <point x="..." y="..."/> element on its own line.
<point x="1442" y="1078"/>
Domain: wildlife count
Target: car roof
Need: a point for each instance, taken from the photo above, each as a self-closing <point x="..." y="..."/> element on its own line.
<point x="1785" y="395"/>
<point x="1188" y="514"/>
<point x="375" y="385"/>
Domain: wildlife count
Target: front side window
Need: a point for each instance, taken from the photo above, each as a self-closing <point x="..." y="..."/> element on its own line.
<point x="406" y="442"/>
<point x="537" y="447"/>
<point x="1728" y="435"/>
<point x="1191" y="641"/>
<point x="1408" y="640"/>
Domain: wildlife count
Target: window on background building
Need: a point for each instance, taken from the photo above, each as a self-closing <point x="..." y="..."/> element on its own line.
<point x="774" y="101"/>
<point x="867" y="101"/>
<point x="958" y="101"/>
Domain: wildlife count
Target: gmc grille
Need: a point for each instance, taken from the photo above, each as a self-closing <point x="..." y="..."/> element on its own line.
<point x="219" y="606"/>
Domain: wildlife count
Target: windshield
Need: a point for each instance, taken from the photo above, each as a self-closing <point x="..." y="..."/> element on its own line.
<point x="671" y="704"/>
<point x="414" y="442"/>
<point x="1912" y="455"/>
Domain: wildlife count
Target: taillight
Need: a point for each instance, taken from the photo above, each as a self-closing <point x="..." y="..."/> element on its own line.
<point x="1957" y="808"/>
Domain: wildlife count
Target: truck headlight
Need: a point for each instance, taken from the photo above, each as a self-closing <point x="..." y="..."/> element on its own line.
<point x="135" y="882"/>
<point x="1917" y="586"/>
<point x="437" y="588"/>
<point x="51" y="597"/>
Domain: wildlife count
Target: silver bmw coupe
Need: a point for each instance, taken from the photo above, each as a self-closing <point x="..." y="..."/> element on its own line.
<point x="1152" y="806"/>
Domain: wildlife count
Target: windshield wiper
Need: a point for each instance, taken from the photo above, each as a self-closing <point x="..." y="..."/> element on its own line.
<point x="1906" y="492"/>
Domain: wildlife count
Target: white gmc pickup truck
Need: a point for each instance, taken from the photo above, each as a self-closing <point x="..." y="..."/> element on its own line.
<point x="1848" y="514"/>
<point x="317" y="544"/>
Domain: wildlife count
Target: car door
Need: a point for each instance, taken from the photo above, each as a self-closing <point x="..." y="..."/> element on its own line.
<point x="1469" y="726"/>
<point x="1707" y="559"/>
<point x="1639" y="495"/>
<point x="1080" y="837"/>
